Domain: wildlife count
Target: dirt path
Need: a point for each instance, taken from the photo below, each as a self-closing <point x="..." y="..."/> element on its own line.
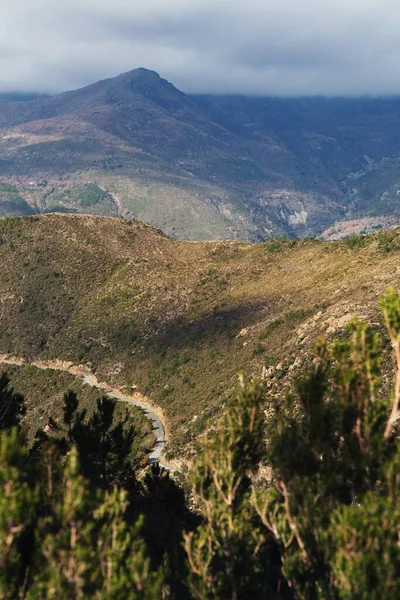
<point x="153" y="413"/>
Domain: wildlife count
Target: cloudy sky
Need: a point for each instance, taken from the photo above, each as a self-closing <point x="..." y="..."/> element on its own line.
<point x="278" y="47"/>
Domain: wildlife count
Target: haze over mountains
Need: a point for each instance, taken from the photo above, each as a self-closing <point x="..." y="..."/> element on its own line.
<point x="202" y="167"/>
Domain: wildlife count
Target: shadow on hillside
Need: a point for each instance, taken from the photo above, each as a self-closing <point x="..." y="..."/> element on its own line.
<point x="218" y="324"/>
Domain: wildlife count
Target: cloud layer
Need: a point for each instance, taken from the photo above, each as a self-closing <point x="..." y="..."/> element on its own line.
<point x="257" y="47"/>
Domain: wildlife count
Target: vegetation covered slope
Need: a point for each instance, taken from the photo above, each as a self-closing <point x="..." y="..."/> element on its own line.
<point x="178" y="319"/>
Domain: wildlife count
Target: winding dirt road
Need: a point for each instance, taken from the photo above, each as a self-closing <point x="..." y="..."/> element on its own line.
<point x="136" y="399"/>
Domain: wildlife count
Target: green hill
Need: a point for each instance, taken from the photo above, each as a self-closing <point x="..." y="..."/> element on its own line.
<point x="179" y="319"/>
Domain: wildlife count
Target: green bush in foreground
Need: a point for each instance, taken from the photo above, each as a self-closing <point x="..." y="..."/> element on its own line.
<point x="333" y="505"/>
<point x="229" y="555"/>
<point x="67" y="535"/>
<point x="329" y="515"/>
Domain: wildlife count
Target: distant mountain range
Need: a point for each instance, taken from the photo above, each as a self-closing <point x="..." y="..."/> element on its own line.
<point x="202" y="167"/>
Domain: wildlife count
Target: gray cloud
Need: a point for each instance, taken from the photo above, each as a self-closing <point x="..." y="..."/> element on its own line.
<point x="258" y="47"/>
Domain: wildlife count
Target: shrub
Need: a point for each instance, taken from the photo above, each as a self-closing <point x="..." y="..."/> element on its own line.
<point x="88" y="195"/>
<point x="389" y="241"/>
<point x="270" y="328"/>
<point x="355" y="241"/>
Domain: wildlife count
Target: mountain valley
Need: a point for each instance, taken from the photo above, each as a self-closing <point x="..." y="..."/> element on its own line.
<point x="179" y="319"/>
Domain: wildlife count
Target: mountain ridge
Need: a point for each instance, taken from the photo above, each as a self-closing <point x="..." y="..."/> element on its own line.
<point x="206" y="166"/>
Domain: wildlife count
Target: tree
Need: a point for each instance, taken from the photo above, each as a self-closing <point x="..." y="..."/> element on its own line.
<point x="109" y="447"/>
<point x="16" y="512"/>
<point x="65" y="560"/>
<point x="12" y="405"/>
<point x="106" y="448"/>
<point x="85" y="546"/>
<point x="229" y="555"/>
<point x="163" y="506"/>
<point x="60" y="535"/>
<point x="334" y="455"/>
<point x="124" y="564"/>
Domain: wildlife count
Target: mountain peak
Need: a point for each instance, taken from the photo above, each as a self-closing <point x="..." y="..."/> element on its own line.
<point x="149" y="85"/>
<point x="144" y="72"/>
<point x="139" y="73"/>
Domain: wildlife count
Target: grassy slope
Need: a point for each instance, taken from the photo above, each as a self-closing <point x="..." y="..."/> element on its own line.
<point x="177" y="318"/>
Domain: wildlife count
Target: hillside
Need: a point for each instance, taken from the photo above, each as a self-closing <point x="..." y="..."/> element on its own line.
<point x="179" y="319"/>
<point x="203" y="167"/>
<point x="43" y="392"/>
